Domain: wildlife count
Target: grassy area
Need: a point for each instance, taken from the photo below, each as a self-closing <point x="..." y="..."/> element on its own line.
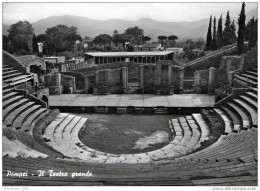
<point x="120" y="134"/>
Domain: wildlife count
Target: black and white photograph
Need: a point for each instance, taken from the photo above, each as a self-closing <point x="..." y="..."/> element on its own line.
<point x="130" y="94"/>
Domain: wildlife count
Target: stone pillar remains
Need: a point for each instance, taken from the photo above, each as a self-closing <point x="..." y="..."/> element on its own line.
<point x="196" y="78"/>
<point x="107" y="77"/>
<point x="212" y="78"/>
<point x="124" y="79"/>
<point x="181" y="78"/>
<point x="53" y="82"/>
<point x="141" y="78"/>
<point x="158" y="78"/>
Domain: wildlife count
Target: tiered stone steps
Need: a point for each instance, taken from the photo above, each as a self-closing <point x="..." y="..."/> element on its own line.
<point x="248" y="79"/>
<point x="15" y="113"/>
<point x="13" y="77"/>
<point x="236" y="120"/>
<point x="228" y="123"/>
<point x="234" y="145"/>
<point x="160" y="110"/>
<point x="16" y="148"/>
<point x="240" y="112"/>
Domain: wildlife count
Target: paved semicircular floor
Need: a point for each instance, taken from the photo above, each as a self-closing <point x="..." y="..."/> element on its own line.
<point x="125" y="134"/>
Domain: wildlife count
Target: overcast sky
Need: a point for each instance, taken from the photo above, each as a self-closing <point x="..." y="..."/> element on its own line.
<point x="13" y="12"/>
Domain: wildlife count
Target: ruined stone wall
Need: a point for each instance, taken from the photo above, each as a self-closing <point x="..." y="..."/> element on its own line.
<point x="206" y="81"/>
<point x="231" y="64"/>
<point x="204" y="63"/>
<point x="29" y="60"/>
<point x="53" y="82"/>
<point x="80" y="79"/>
<point x="109" y="81"/>
<point x="68" y="82"/>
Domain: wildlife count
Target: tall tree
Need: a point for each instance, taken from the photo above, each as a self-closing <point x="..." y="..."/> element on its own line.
<point x="172" y="40"/>
<point x="209" y="35"/>
<point x="136" y="33"/>
<point x="121" y="38"/>
<point x="102" y="39"/>
<point x="62" y="37"/>
<point x="34" y="43"/>
<point x="251" y="33"/>
<point x="241" y="29"/>
<point x="214" y="39"/>
<point x="162" y="38"/>
<point x="227" y="33"/>
<point x="146" y="39"/>
<point x="219" y="32"/>
<point x="20" y="35"/>
<point x="233" y="32"/>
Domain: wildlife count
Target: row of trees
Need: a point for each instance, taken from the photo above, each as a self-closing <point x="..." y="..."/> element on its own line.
<point x="21" y="36"/>
<point x="220" y="37"/>
<point x="61" y="38"/>
<point x="134" y="35"/>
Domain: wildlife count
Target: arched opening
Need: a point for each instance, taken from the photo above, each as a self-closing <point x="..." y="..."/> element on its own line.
<point x="45" y="99"/>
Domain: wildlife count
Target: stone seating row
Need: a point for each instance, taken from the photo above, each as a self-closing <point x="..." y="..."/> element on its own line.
<point x="239" y="113"/>
<point x="16" y="148"/>
<point x="13" y="77"/>
<point x="234" y="145"/>
<point x="249" y="78"/>
<point x="63" y="132"/>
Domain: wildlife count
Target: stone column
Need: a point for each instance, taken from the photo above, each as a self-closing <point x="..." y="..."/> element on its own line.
<point x="196" y="78"/>
<point x="124" y="79"/>
<point x="86" y="85"/>
<point x="107" y="77"/>
<point x="95" y="89"/>
<point x="181" y="77"/>
<point x="141" y="78"/>
<point x="169" y="75"/>
<point x="158" y="78"/>
<point x="212" y="77"/>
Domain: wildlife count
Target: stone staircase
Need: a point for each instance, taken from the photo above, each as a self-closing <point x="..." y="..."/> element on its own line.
<point x="247" y="79"/>
<point x="12" y="77"/>
<point x="240" y="112"/>
<point x="160" y="111"/>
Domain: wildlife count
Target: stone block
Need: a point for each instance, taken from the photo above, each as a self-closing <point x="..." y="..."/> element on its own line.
<point x="55" y="90"/>
<point x="70" y="90"/>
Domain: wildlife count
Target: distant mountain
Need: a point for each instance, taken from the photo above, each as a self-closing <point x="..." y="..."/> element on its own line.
<point x="151" y="27"/>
